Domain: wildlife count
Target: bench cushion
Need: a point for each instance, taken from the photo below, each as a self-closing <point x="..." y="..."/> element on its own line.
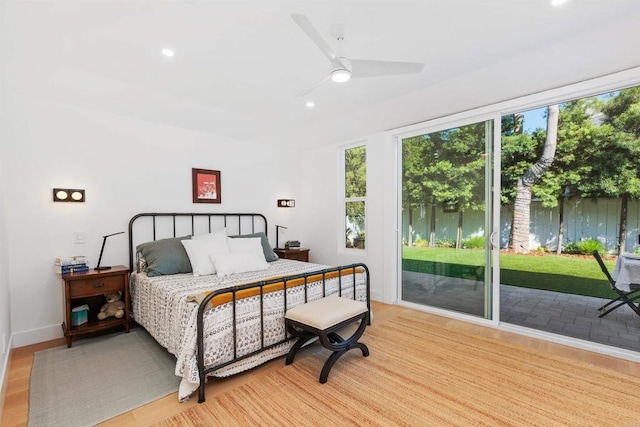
<point x="326" y="312"/>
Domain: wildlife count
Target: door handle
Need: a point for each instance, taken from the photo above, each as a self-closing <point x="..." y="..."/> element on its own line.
<point x="492" y="239"/>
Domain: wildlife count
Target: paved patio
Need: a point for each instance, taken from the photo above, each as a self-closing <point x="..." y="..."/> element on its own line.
<point x="570" y="315"/>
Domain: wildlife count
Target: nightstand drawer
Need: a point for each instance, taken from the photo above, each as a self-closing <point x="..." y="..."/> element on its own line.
<point x="298" y="256"/>
<point x="97" y="286"/>
<point x="301" y="254"/>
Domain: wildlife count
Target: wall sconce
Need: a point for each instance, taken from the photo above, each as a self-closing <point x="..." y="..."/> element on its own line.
<point x="286" y="203"/>
<point x="68" y="195"/>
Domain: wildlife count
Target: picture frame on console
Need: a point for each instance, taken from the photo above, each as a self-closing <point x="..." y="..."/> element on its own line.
<point x="206" y="186"/>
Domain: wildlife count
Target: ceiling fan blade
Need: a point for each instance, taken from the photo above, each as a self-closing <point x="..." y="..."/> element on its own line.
<point x="314" y="35"/>
<point x="309" y="90"/>
<point x="365" y="68"/>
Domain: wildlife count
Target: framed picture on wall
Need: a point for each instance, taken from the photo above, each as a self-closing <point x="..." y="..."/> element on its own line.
<point x="206" y="186"/>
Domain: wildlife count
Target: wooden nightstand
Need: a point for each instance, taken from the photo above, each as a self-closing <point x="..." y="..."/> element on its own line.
<point x="89" y="288"/>
<point x="301" y="254"/>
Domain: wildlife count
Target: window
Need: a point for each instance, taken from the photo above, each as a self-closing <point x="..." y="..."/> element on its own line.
<point x="355" y="195"/>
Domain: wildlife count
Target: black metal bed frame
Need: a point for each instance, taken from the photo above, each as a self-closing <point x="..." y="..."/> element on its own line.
<point x="193" y="216"/>
<point x="338" y="272"/>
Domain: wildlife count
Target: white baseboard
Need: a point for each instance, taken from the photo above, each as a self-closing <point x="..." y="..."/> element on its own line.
<point x="34" y="336"/>
<point x="376" y="296"/>
<point x="4" y="375"/>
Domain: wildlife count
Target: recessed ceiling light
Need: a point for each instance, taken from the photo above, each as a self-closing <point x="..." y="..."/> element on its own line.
<point x="168" y="52"/>
<point x="557" y="2"/>
<point x="310" y="104"/>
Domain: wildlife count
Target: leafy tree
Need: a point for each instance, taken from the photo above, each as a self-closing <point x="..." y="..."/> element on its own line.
<point x="445" y="167"/>
<point x="596" y="155"/>
<point x="460" y="170"/>
<point x="415" y="151"/>
<point x="518" y="155"/>
<point x="525" y="183"/>
<point x="356" y="172"/>
<point x="355" y="186"/>
<point x="612" y="169"/>
<point x="575" y="130"/>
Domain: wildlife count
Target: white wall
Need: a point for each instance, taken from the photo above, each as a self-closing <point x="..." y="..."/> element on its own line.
<point x="322" y="217"/>
<point x="126" y="166"/>
<point x="5" y="323"/>
<point x="5" y="311"/>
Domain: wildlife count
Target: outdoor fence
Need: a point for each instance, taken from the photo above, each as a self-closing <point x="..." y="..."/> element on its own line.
<point x="583" y="219"/>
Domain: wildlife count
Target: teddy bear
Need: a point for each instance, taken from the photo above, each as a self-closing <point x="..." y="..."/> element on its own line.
<point x="113" y="307"/>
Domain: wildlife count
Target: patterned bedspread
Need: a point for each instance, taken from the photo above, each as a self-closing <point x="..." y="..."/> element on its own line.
<point x="160" y="305"/>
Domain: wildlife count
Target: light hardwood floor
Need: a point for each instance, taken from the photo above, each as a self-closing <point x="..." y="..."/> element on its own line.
<point x="16" y="403"/>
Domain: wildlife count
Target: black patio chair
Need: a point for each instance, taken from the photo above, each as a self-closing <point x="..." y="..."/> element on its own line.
<point x="623" y="298"/>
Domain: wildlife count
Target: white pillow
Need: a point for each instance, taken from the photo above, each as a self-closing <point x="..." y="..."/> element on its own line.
<point x="201" y="252"/>
<point x="245" y="245"/>
<point x="239" y="262"/>
<point x="214" y="235"/>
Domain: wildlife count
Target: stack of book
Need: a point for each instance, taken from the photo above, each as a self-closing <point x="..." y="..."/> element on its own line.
<point x="71" y="264"/>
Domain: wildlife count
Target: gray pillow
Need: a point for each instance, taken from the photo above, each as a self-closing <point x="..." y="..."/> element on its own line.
<point x="269" y="254"/>
<point x="165" y="256"/>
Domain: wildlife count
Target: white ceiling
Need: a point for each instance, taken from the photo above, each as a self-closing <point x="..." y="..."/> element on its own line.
<point x="240" y="64"/>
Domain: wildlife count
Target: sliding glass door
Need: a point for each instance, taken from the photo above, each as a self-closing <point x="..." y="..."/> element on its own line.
<point x="446" y="218"/>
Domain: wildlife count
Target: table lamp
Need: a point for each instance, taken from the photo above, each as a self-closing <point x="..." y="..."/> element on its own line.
<point x="278" y="227"/>
<point x="98" y="267"/>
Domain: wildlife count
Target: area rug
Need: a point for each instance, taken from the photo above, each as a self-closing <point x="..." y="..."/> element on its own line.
<point x="98" y="378"/>
<point x="421" y="373"/>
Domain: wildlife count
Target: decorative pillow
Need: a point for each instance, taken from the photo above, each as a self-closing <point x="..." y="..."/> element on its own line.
<point x="243" y="246"/>
<point x="214" y="235"/>
<point x="165" y="256"/>
<point x="269" y="254"/>
<point x="233" y="263"/>
<point x="201" y="252"/>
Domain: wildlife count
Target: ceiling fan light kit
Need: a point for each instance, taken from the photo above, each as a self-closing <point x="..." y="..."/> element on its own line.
<point x="343" y="69"/>
<point x="340" y="76"/>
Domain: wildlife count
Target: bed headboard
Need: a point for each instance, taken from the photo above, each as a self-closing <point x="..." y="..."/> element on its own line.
<point x="145" y="227"/>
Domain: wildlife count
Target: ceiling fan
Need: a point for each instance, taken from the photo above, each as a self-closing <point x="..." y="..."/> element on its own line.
<point x="343" y="69"/>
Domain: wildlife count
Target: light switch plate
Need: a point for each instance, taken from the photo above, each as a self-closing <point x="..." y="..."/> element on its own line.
<point x="79" y="237"/>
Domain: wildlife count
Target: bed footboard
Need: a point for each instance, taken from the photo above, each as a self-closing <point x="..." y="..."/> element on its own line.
<point x="234" y="294"/>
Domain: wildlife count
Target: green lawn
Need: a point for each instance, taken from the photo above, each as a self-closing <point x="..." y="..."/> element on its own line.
<point x="571" y="275"/>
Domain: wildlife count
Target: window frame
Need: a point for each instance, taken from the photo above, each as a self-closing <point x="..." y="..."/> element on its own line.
<point x="342" y="246"/>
